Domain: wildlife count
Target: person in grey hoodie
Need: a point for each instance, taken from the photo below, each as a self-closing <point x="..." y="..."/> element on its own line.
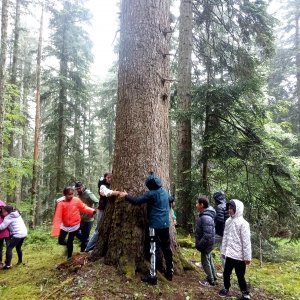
<point x="18" y="231"/>
<point x="205" y="239"/>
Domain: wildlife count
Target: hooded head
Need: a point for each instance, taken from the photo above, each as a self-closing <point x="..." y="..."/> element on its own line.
<point x="237" y="206"/>
<point x="153" y="182"/>
<point x="219" y="197"/>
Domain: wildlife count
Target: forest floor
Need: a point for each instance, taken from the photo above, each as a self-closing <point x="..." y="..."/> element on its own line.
<point x="46" y="274"/>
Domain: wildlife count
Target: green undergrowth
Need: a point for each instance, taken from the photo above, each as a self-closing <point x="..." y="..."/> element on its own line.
<point x="38" y="278"/>
<point x="41" y="253"/>
<point x="280" y="278"/>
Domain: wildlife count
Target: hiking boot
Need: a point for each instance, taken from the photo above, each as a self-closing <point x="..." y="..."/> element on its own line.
<point x="223" y="293"/>
<point x="169" y="275"/>
<point x="149" y="279"/>
<point x="206" y="283"/>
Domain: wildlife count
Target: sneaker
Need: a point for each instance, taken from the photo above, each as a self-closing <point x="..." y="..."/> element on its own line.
<point x="149" y="279"/>
<point x="223" y="293"/>
<point x="244" y="297"/>
<point x="198" y="264"/>
<point x="220" y="275"/>
<point x="5" y="267"/>
<point x="206" y="283"/>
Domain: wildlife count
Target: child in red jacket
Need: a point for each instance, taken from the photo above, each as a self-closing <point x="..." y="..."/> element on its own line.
<point x="67" y="218"/>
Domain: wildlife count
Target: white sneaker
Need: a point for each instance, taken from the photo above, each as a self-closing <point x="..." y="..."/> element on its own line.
<point x="198" y="264"/>
<point x="220" y="275"/>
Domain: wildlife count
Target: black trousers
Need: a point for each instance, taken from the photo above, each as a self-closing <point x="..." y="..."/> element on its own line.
<point x="1" y="247"/>
<point x="13" y="242"/>
<point x="69" y="243"/>
<point x="240" y="270"/>
<point x="160" y="239"/>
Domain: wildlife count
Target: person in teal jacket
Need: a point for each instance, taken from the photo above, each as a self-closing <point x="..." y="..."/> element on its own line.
<point x="158" y="213"/>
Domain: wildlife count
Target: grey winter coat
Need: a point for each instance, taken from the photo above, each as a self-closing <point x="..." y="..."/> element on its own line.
<point x="205" y="230"/>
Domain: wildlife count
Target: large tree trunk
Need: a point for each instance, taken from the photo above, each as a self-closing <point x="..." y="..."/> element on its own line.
<point x="184" y="143"/>
<point x="142" y="127"/>
<point x="35" y="167"/>
<point x="4" y="23"/>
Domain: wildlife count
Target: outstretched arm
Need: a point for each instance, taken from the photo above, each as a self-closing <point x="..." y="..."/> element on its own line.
<point x="104" y="191"/>
<point x="140" y="199"/>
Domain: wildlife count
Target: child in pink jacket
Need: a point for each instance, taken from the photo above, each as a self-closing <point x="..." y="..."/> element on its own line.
<point x="4" y="234"/>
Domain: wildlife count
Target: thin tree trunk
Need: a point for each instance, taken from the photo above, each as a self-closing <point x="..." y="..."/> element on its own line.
<point x="142" y="127"/>
<point x="297" y="46"/>
<point x="35" y="168"/>
<point x="4" y="23"/>
<point x="15" y="150"/>
<point x="13" y="77"/>
<point x="61" y="122"/>
<point x="184" y="142"/>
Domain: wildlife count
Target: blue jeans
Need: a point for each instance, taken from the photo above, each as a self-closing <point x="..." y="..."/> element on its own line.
<point x="93" y="240"/>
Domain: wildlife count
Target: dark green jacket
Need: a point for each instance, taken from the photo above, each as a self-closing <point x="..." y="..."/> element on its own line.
<point x="90" y="200"/>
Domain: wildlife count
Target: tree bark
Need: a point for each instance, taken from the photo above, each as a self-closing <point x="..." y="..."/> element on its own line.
<point x="13" y="77"/>
<point x="142" y="127"/>
<point x="297" y="47"/>
<point x="62" y="99"/>
<point x="4" y="23"/>
<point x="35" y="167"/>
<point x="184" y="142"/>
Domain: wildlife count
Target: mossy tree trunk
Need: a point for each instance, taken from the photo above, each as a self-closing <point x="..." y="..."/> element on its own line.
<point x="142" y="127"/>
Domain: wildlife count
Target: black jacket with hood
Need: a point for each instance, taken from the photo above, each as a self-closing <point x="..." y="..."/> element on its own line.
<point x="221" y="213"/>
<point x="205" y="230"/>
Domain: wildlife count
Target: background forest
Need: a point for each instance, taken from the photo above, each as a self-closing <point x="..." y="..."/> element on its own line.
<point x="234" y="114"/>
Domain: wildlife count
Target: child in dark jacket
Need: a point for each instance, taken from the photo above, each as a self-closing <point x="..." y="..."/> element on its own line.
<point x="220" y="219"/>
<point x="158" y="212"/>
<point x="205" y="238"/>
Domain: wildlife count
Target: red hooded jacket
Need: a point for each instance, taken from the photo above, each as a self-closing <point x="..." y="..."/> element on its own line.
<point x="68" y="213"/>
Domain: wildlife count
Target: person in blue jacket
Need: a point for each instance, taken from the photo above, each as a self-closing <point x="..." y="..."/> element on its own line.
<point x="158" y="213"/>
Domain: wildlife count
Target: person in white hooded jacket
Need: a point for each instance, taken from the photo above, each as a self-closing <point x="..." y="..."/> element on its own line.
<point x="236" y="248"/>
<point x="18" y="231"/>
